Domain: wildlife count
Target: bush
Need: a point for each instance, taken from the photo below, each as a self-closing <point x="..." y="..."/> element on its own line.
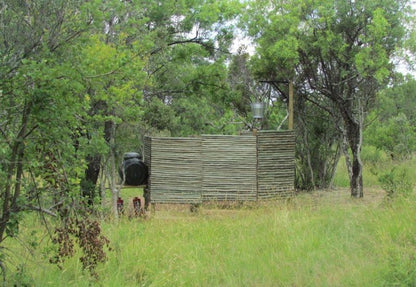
<point x="397" y="181"/>
<point x="397" y="137"/>
<point x="373" y="155"/>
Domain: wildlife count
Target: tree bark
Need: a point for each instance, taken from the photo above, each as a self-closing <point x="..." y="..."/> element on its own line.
<point x="89" y="183"/>
<point x="110" y="134"/>
<point x="354" y="133"/>
<point x="113" y="185"/>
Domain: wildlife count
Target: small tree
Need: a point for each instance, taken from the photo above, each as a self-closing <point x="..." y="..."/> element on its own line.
<point x="42" y="147"/>
<point x="339" y="51"/>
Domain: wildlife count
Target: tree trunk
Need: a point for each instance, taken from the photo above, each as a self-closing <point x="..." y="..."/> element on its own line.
<point x="335" y="166"/>
<point x="88" y="184"/>
<point x="346" y="155"/>
<point x="354" y="132"/>
<point x="103" y="180"/>
<point x="110" y="134"/>
<point x="308" y="156"/>
<point x="113" y="185"/>
<point x="92" y="172"/>
<point x="14" y="174"/>
<point x="357" y="174"/>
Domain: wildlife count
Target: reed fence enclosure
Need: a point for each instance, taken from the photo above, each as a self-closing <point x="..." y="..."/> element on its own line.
<point x="220" y="167"/>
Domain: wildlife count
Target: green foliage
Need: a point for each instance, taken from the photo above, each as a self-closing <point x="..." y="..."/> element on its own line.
<point x="397" y="181"/>
<point x="372" y="155"/>
<point x="397" y="136"/>
<point x="158" y="115"/>
<point x="192" y="116"/>
<point x="42" y="96"/>
<point x="85" y="80"/>
<point x="12" y="227"/>
<point x="395" y="177"/>
<point x="338" y="54"/>
<point x="317" y="147"/>
<point x="80" y="80"/>
<point x="392" y="127"/>
<point x="245" y="90"/>
<point x="72" y="69"/>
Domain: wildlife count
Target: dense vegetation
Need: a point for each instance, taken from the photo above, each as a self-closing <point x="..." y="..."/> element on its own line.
<point x="317" y="239"/>
<point x="82" y="82"/>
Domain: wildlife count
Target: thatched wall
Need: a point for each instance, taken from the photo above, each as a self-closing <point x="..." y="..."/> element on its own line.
<point x="216" y="167"/>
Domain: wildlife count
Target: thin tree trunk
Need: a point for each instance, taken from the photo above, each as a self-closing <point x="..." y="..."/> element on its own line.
<point x="308" y="154"/>
<point x="103" y="180"/>
<point x="335" y="166"/>
<point x="15" y="169"/>
<point x="110" y="128"/>
<point x="113" y="185"/>
<point x="112" y="175"/>
<point x="357" y="176"/>
<point x="92" y="172"/>
<point x="355" y="140"/>
<point x="347" y="156"/>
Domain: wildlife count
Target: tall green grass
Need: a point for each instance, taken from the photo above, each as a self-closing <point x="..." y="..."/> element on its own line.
<point x="307" y="241"/>
<point x="299" y="243"/>
<point x="373" y="169"/>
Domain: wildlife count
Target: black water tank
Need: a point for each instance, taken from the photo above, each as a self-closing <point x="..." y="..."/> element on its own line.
<point x="134" y="168"/>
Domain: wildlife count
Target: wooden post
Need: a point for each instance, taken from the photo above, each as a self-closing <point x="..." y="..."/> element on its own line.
<point x="257" y="166"/>
<point x="290" y="105"/>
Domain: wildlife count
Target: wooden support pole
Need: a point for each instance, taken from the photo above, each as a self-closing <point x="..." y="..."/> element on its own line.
<point x="290" y="105"/>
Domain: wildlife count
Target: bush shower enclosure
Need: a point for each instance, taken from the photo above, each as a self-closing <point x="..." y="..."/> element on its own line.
<point x="220" y="167"/>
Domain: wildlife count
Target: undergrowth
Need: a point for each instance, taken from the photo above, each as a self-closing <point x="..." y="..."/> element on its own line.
<point x="309" y="240"/>
<point x="386" y="173"/>
<point x="293" y="243"/>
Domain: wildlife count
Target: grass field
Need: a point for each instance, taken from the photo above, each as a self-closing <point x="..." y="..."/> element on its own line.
<point x="297" y="243"/>
<point x="323" y="238"/>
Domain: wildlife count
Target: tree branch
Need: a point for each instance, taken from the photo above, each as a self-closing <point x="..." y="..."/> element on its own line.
<point x="6" y="138"/>
<point x="329" y="111"/>
<point x="40" y="209"/>
<point x="194" y="40"/>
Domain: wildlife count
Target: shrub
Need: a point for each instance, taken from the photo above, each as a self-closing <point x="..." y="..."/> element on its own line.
<point x="396" y="181"/>
<point x="373" y="155"/>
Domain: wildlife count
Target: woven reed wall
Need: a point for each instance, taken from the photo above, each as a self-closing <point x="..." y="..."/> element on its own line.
<point x="175" y="169"/>
<point x="276" y="163"/>
<point x="217" y="167"/>
<point x="229" y="167"/>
